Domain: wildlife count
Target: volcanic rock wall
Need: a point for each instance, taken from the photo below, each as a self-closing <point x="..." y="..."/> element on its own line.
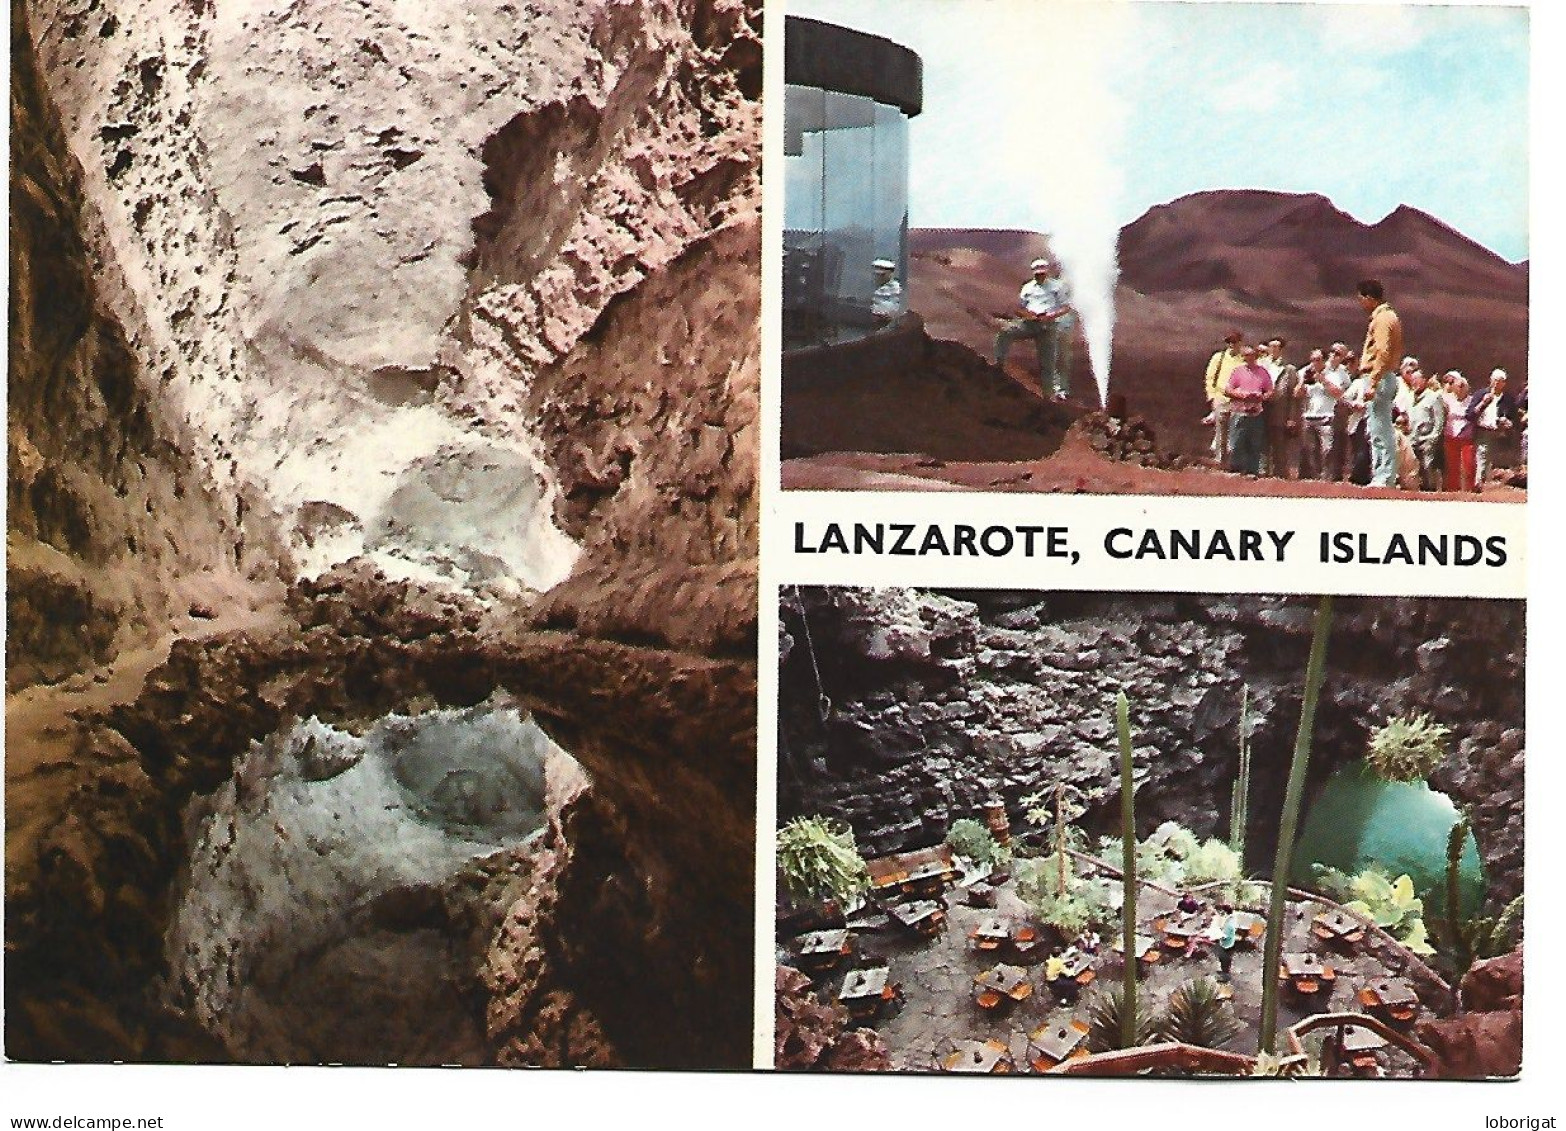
<point x="901" y="391"/>
<point x="939" y="701"/>
<point x="470" y="290"/>
<point x="349" y="237"/>
<point x="117" y="522"/>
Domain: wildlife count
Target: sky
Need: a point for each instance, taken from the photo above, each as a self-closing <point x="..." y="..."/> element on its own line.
<point x="1111" y="108"/>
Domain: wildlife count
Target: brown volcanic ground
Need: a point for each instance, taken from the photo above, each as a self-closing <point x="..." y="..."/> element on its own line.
<point x="1264" y="262"/>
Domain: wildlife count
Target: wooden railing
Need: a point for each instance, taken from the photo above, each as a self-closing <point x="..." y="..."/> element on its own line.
<point x="1170" y="1056"/>
<point x="1195" y="1060"/>
<point x="1364" y="1021"/>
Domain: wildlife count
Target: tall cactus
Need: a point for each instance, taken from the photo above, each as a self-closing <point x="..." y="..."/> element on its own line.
<point x="1128" y="1015"/>
<point x="1315" y="672"/>
<point x="1460" y="940"/>
<point x="1239" y="804"/>
<point x="1060" y="840"/>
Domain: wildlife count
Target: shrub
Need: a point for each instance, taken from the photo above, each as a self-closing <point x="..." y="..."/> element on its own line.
<point x="1465" y="939"/>
<point x="1197" y="1015"/>
<point x="1213" y="861"/>
<point x="1104" y="1014"/>
<point x="1174" y="856"/>
<point x="1407" y="748"/>
<point x="1087" y="902"/>
<point x="819" y="860"/>
<point x="1391" y="904"/>
<point x="969" y="838"/>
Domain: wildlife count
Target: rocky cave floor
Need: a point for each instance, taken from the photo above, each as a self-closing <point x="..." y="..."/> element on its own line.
<point x="936" y="976"/>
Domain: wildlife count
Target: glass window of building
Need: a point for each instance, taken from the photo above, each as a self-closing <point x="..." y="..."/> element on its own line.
<point x="845" y="183"/>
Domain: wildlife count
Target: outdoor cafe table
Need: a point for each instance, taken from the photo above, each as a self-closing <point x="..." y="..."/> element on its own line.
<point x="910" y="868"/>
<point x="1302" y="966"/>
<point x="1181" y="931"/>
<point x="1391" y="998"/>
<point x="1305" y="974"/>
<point x="928" y="870"/>
<point x="1249" y="926"/>
<point x="1078" y="965"/>
<point x="981" y="895"/>
<point x="1358" y="1039"/>
<point x="983" y="1057"/>
<point x="991" y="933"/>
<point x="921" y="915"/>
<point x="823" y="945"/>
<point x="1012" y="981"/>
<point x="1337" y="927"/>
<point x="864" y="990"/>
<point x="1048" y="1045"/>
<point x="1359" y="1045"/>
<point x="1144" y="946"/>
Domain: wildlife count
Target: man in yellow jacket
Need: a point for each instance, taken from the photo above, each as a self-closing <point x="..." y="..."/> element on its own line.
<point x="1378" y="362"/>
<point x="1219" y="366"/>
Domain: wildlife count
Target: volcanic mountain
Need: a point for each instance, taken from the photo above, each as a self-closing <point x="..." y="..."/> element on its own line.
<point x="1265" y="263"/>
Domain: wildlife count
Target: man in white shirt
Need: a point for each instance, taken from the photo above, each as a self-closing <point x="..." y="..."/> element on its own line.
<point x="1046" y="316"/>
<point x="1427" y="428"/>
<point x="1322" y="390"/>
<point x="886" y="303"/>
<point x="1356" y="441"/>
<point x="1340" y="371"/>
<point x="1404" y="399"/>
<point x="1338" y="366"/>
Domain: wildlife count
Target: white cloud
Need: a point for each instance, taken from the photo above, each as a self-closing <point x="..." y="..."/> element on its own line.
<point x="1259" y="87"/>
<point x="1359" y="30"/>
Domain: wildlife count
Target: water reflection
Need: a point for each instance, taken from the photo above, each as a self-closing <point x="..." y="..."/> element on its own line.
<point x="1360" y="820"/>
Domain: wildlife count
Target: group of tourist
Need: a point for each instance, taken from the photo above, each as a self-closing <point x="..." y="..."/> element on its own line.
<point x="1380" y="422"/>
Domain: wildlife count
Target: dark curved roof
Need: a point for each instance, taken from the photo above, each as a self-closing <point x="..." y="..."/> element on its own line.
<point x="852" y="62"/>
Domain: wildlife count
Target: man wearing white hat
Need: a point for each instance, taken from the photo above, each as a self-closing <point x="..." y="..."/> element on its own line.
<point x="1046" y="316"/>
<point x="1494" y="413"/>
<point x="886" y="303"/>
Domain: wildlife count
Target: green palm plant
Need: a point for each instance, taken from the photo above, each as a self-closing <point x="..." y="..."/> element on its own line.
<point x="1466" y="939"/>
<point x="1113" y="1025"/>
<point x="1290" y="1067"/>
<point x="819" y="860"/>
<point x="1198" y="1015"/>
<point x="1057" y="816"/>
<point x="1288" y="825"/>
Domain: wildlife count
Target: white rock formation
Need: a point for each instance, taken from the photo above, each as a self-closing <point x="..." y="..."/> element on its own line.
<point x="284" y="203"/>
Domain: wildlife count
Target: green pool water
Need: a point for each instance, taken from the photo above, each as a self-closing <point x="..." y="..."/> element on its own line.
<point x="1360" y="820"/>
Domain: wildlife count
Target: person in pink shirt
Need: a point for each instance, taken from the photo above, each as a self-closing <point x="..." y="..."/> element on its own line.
<point x="1247" y="390"/>
<point x="1459" y="441"/>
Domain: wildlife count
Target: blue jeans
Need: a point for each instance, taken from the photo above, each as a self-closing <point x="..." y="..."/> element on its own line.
<point x="1247" y="441"/>
<point x="1382" y="435"/>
